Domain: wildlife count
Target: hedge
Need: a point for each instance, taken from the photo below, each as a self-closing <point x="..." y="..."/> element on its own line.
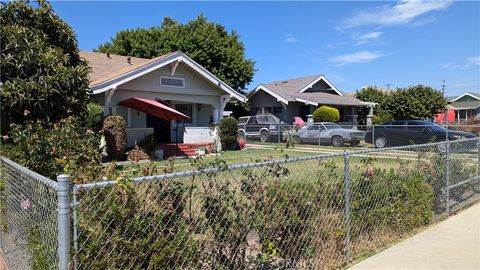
<point x="326" y="114"/>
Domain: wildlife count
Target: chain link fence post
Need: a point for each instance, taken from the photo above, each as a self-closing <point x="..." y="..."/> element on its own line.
<point x="478" y="157"/>
<point x="373" y="136"/>
<point x="346" y="161"/>
<point x="63" y="209"/>
<point x="447" y="175"/>
<point x="75" y="228"/>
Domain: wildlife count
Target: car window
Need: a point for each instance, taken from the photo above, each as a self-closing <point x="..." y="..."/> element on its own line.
<point x="252" y="121"/>
<point x="415" y="126"/>
<point x="397" y="124"/>
<point x="332" y="126"/>
<point x="262" y="119"/>
<point x="242" y="120"/>
<point x="273" y="119"/>
<point x="314" y="127"/>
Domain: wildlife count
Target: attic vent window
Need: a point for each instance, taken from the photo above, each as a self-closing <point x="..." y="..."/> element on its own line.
<point x="172" y="82"/>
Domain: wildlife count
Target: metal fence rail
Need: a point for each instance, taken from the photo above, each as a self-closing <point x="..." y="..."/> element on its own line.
<point x="314" y="212"/>
<point x="28" y="218"/>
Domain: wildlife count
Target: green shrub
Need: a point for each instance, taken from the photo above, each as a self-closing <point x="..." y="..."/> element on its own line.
<point x="142" y="231"/>
<point x="94" y="116"/>
<point x="228" y="133"/>
<point x="148" y="145"/>
<point x="402" y="201"/>
<point x="52" y="149"/>
<point x="326" y="114"/>
<point x="381" y="117"/>
<point x="115" y="132"/>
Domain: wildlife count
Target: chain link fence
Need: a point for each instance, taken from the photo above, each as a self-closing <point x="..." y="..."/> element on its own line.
<point x="343" y="135"/>
<point x="28" y="218"/>
<point x="315" y="212"/>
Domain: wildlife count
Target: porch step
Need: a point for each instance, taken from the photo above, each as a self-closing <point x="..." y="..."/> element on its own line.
<point x="170" y="150"/>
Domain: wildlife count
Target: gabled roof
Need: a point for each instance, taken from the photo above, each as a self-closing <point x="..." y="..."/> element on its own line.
<point x="110" y="71"/>
<point x="474" y="104"/>
<point x="474" y="95"/>
<point x="293" y="90"/>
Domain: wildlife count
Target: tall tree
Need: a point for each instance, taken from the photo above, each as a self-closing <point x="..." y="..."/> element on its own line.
<point x="373" y="94"/>
<point x="43" y="77"/>
<point x="415" y="102"/>
<point x="207" y="43"/>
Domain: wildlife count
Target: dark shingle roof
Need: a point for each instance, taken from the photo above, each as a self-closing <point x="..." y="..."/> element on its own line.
<point x="289" y="90"/>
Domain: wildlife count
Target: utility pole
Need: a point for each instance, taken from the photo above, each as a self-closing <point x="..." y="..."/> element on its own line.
<point x="388" y="85"/>
<point x="443" y="88"/>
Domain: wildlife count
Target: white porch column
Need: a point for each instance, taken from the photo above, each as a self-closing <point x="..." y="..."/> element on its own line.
<point x="218" y="113"/>
<point x="370" y="115"/>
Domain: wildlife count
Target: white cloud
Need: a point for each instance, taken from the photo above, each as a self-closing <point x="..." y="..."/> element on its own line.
<point x="474" y="60"/>
<point x="365" y="38"/>
<point x="454" y="66"/>
<point x="290" y="38"/>
<point x="401" y="13"/>
<point x="358" y="57"/>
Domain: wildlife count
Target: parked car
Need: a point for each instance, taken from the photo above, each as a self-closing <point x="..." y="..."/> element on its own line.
<point x="326" y="132"/>
<point x="262" y="126"/>
<point x="406" y="132"/>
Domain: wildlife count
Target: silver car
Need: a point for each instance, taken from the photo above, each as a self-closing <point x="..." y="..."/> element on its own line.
<point x="326" y="132"/>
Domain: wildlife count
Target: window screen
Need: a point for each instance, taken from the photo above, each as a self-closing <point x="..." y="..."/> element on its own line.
<point x="172" y="82"/>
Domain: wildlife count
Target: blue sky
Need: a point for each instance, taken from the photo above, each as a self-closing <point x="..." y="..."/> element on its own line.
<point x="353" y="43"/>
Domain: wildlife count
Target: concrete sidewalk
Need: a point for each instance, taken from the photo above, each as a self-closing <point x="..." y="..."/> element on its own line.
<point x="450" y="244"/>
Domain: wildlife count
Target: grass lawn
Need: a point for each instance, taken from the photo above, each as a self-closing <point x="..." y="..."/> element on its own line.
<point x="271" y="151"/>
<point x="362" y="145"/>
<point x="230" y="157"/>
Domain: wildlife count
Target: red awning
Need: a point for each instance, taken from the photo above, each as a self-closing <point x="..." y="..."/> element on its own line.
<point x="153" y="108"/>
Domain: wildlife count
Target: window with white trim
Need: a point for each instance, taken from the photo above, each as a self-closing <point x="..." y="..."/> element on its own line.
<point x="172" y="82"/>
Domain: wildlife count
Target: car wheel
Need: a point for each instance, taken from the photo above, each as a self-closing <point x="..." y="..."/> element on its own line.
<point x="354" y="143"/>
<point x="380" y="142"/>
<point x="337" y="141"/>
<point x="296" y="140"/>
<point x="264" y="136"/>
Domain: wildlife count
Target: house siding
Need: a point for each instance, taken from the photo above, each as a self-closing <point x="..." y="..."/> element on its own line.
<point x="264" y="100"/>
<point x="197" y="89"/>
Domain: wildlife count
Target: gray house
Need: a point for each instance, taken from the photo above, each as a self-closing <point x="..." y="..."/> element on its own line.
<point x="301" y="96"/>
<point x="466" y="106"/>
<point x="173" y="80"/>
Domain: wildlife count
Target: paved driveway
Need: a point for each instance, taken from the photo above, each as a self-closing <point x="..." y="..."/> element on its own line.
<point x="450" y="244"/>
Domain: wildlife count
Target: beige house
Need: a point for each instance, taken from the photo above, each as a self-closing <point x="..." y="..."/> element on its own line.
<point x="174" y="80"/>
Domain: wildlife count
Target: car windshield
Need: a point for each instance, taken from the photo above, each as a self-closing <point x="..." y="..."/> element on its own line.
<point x="332" y="126"/>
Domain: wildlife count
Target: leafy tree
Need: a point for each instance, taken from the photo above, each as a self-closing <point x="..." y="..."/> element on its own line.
<point x="415" y="102"/>
<point x="43" y="77"/>
<point x="373" y="94"/>
<point x="207" y="43"/>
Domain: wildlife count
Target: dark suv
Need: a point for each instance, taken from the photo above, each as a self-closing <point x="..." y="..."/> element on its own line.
<point x="262" y="126"/>
<point x="405" y="132"/>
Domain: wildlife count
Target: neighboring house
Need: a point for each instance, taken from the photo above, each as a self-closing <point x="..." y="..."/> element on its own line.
<point x="466" y="106"/>
<point x="301" y="96"/>
<point x="173" y="80"/>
